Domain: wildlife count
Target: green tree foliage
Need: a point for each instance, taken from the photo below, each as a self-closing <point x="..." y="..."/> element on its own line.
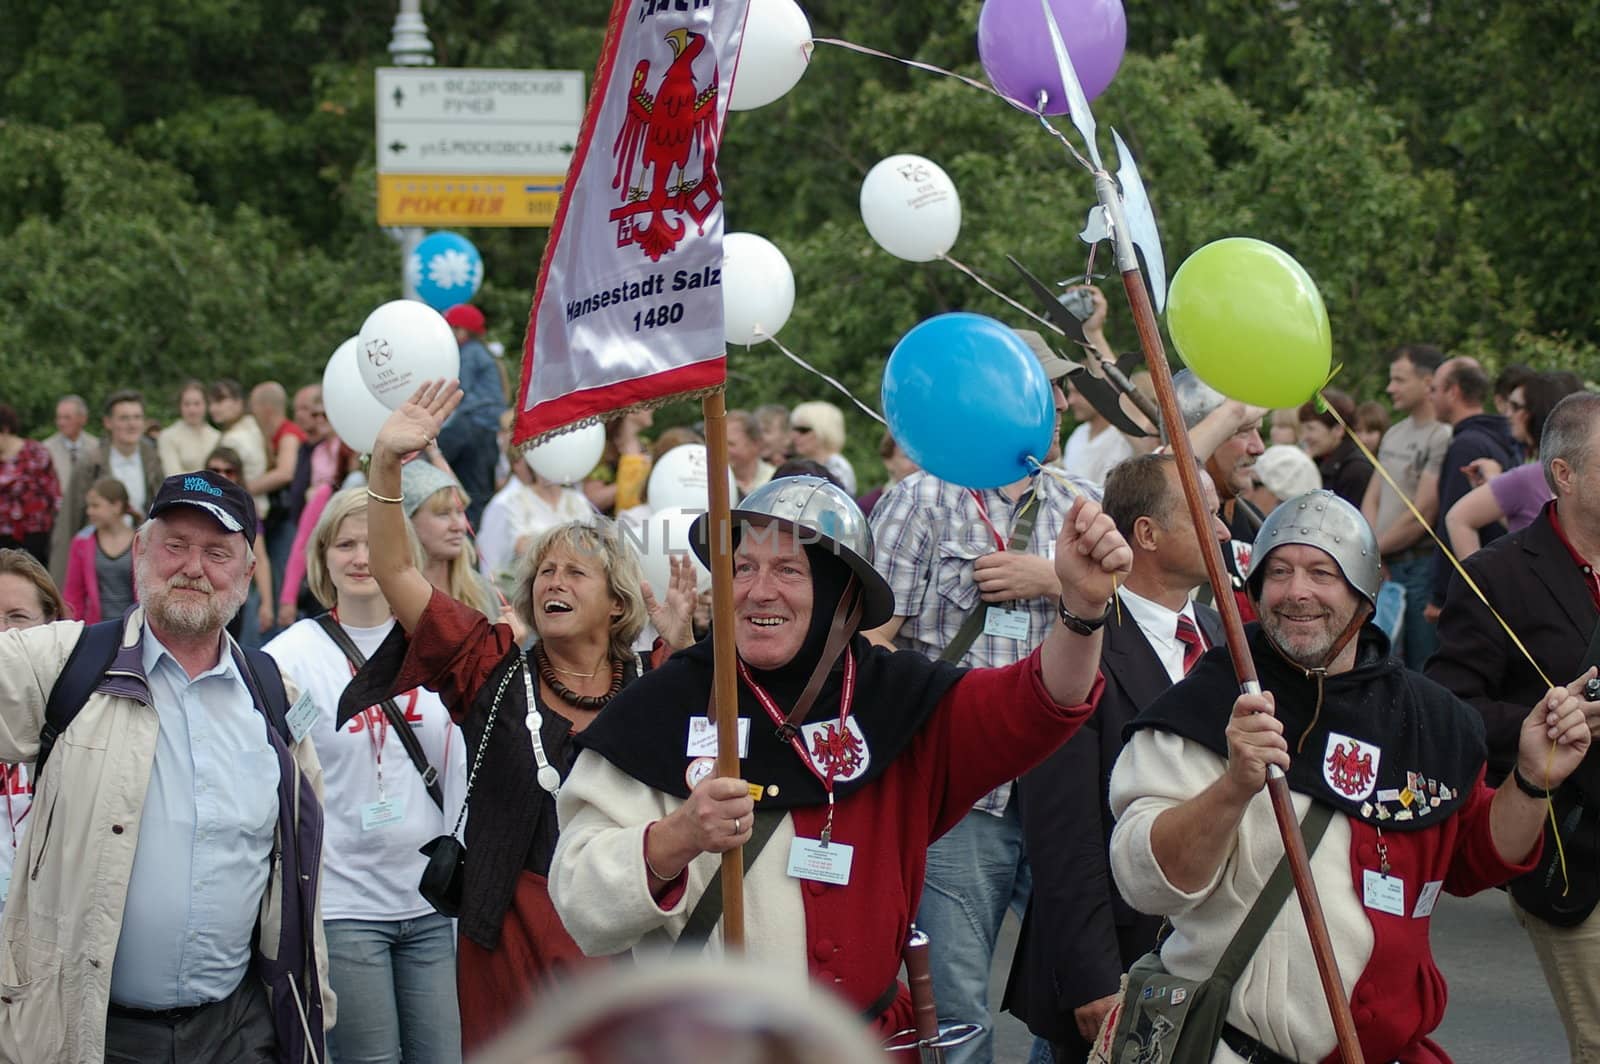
<point x="189" y="188"/>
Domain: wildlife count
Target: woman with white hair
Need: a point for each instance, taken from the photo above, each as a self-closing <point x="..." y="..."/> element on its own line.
<point x="817" y="432"/>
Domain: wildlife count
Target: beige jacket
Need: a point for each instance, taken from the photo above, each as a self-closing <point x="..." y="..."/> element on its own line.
<point x="64" y="914"/>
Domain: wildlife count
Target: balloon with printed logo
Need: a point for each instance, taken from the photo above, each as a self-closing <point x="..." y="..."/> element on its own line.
<point x="967" y="400"/>
<point x="911" y="208"/>
<point x="772" y="54"/>
<point x="664" y="536"/>
<point x="681" y="477"/>
<point x="353" y="411"/>
<point x="403" y="344"/>
<point x="569" y="457"/>
<point x="445" y="269"/>
<point x="757" y="289"/>
<point x="1016" y="52"/>
<point x="1248" y="319"/>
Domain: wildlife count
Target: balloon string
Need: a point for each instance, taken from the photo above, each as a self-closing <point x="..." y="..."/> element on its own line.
<point x="970" y="272"/>
<point x="1377" y="466"/>
<point x="803" y="364"/>
<point x="974" y="82"/>
<point x="1038" y="112"/>
<point x="1073" y="489"/>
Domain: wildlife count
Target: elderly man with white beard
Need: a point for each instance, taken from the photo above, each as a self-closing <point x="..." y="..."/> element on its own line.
<point x="170" y="911"/>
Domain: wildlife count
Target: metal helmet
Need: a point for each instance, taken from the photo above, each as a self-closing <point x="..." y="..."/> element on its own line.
<point x="820" y="513"/>
<point x="1323" y="520"/>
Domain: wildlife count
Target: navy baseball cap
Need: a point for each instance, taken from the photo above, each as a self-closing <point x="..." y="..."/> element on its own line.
<point x="226" y="502"/>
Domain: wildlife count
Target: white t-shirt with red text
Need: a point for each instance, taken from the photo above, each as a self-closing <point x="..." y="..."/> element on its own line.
<point x="370" y="862"/>
<point x="16" y="781"/>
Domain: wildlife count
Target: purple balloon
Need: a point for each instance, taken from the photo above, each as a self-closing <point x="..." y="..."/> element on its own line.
<point x="1014" y="47"/>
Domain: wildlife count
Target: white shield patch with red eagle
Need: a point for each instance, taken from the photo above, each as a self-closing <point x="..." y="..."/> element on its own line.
<point x="1350" y="766"/>
<point x="842" y="754"/>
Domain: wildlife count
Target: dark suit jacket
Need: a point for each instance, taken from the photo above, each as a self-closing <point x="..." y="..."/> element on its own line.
<point x="1079" y="936"/>
<point x="1531" y="579"/>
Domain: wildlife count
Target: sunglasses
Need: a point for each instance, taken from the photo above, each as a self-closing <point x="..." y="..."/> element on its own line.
<point x="801" y="428"/>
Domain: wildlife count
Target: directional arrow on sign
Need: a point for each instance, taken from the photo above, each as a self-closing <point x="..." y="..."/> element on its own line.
<point x="397" y="147"/>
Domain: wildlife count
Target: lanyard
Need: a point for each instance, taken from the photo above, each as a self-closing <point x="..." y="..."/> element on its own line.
<point x="13" y="777"/>
<point x="378" y="728"/>
<point x="846" y="697"/>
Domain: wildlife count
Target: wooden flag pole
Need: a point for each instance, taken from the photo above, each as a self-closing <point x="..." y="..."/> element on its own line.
<point x="725" y="682"/>
<point x="1155" y="357"/>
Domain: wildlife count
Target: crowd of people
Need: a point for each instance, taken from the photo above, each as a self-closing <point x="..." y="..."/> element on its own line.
<point x="354" y="760"/>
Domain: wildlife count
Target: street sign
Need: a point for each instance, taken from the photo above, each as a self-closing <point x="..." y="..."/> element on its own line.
<point x="474" y="147"/>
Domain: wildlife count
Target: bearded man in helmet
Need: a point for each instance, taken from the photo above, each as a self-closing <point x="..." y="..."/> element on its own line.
<point x="861" y="756"/>
<point x="1390" y="762"/>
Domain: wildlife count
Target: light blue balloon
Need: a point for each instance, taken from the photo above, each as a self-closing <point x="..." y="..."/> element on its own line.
<point x="445" y="269"/>
<point x="967" y="400"/>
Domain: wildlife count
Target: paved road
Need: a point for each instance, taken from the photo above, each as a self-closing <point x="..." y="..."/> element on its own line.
<point x="1500" y="1010"/>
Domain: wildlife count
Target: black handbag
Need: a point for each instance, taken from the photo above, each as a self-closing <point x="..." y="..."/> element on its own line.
<point x="1565" y="901"/>
<point x="444" y="877"/>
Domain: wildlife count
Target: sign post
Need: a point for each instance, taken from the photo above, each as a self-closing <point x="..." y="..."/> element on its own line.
<point x="474" y="147"/>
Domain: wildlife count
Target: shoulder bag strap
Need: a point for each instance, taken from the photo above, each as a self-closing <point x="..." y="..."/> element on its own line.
<point x="972" y="627"/>
<point x="397" y="720"/>
<point x="1273" y="895"/>
<point x="708" y="910"/>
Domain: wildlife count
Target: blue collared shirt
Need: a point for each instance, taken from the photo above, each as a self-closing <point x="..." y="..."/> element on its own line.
<point x="205" y="839"/>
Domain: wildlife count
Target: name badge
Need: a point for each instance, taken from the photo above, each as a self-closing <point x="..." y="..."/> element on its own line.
<point x="703" y="738"/>
<point x="1006" y="624"/>
<point x="375" y="815"/>
<point x="1427" y="899"/>
<point x="301" y="716"/>
<point x="1386" y="894"/>
<point x="825" y="863"/>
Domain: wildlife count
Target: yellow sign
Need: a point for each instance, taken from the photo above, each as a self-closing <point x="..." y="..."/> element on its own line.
<point x="468" y="200"/>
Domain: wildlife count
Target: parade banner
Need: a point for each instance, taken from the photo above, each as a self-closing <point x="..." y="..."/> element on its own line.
<point x="628" y="309"/>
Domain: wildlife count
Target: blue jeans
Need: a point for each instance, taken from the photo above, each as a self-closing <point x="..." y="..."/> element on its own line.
<point x="1420" y="638"/>
<point x="396" y="985"/>
<point x="974" y="873"/>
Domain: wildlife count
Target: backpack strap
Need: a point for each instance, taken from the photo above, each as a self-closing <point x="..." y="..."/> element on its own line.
<point x="90" y="658"/>
<point x="268" y="681"/>
<point x="708" y="910"/>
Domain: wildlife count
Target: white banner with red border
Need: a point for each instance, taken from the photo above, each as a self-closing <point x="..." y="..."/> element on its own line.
<point x="628" y="309"/>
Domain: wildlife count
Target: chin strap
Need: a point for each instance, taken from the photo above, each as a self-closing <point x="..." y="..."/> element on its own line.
<point x="846" y="619"/>
<point x="1320" y="673"/>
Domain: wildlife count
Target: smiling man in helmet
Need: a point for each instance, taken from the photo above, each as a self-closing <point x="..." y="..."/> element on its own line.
<point x="862" y="756"/>
<point x="1391" y="763"/>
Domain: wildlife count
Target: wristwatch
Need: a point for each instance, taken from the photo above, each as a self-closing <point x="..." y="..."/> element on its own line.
<point x="1078" y="624"/>
<point x="1527" y="786"/>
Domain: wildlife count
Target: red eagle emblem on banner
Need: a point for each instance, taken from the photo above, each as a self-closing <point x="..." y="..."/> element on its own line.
<point x="658" y="137"/>
<point x="837" y="750"/>
<point x="1351" y="770"/>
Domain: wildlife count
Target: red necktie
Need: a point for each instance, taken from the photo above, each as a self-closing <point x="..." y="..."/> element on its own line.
<point x="1193" y="645"/>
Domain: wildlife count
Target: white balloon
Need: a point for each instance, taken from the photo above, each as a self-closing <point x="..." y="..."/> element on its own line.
<point x="911" y="208"/>
<point x="681" y="479"/>
<point x="757" y="289"/>
<point x="569" y="457"/>
<point x="664" y="535"/>
<point x="403" y="344"/>
<point x="773" y="54"/>
<point x="355" y="413"/>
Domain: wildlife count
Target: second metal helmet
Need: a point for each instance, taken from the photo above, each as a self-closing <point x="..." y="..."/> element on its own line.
<point x="1323" y="520"/>
<point x="822" y="514"/>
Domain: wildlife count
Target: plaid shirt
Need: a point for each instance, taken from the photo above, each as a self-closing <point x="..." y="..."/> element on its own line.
<point x="928" y="533"/>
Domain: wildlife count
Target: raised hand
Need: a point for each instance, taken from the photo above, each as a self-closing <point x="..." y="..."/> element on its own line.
<point x="1090" y="555"/>
<point x="1555" y="737"/>
<point x="674" y="618"/>
<point x="415" y="423"/>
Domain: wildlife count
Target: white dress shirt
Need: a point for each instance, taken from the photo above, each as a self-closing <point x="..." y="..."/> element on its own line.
<point x="1160" y="628"/>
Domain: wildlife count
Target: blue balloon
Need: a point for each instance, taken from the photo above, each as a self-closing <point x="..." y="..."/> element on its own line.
<point x="445" y="269"/>
<point x="967" y="400"/>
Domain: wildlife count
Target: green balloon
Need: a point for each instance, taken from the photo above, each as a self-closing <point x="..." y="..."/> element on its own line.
<point x="1248" y="319"/>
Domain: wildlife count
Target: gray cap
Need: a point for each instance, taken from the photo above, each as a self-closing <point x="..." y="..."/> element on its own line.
<point x="1323" y="520"/>
<point x="1287" y="471"/>
<point x="421" y="480"/>
<point x="1055" y="367"/>
<point x="825" y="515"/>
